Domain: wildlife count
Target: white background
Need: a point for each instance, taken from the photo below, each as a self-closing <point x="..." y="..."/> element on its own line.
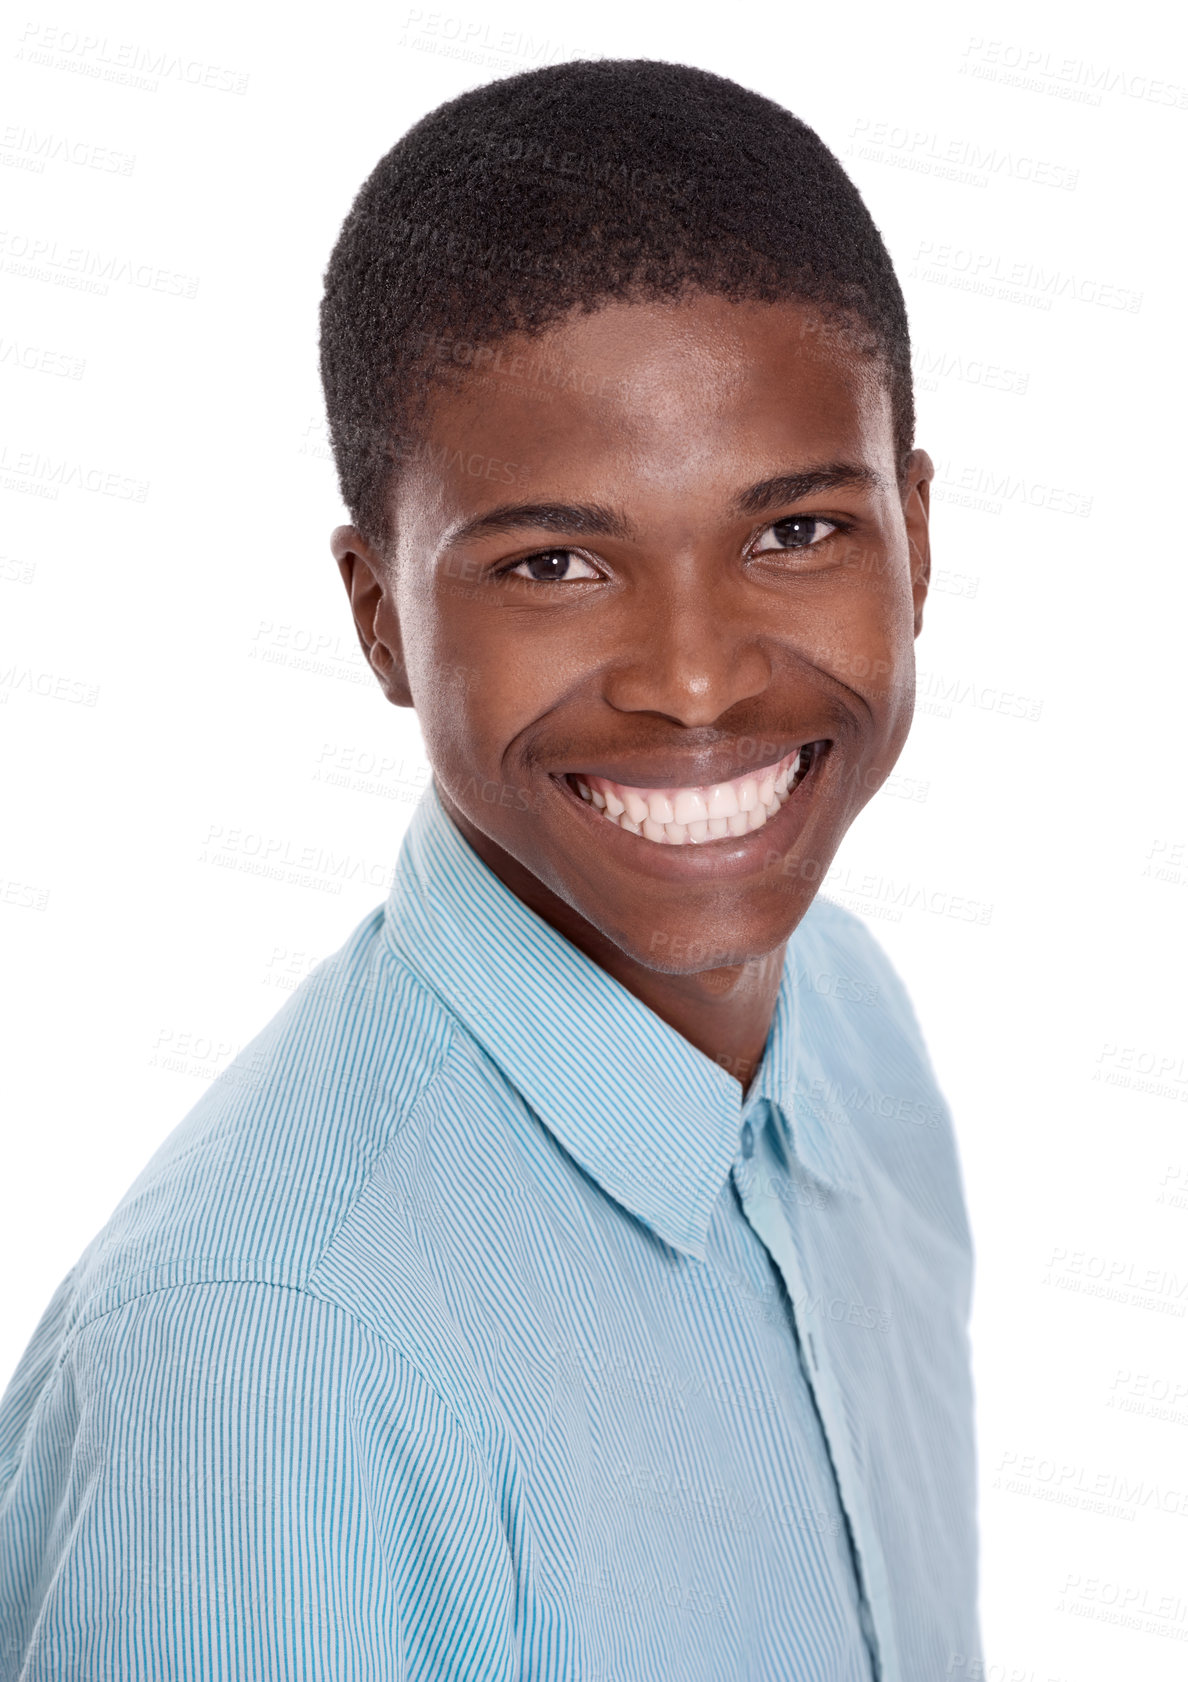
<point x="179" y="678"/>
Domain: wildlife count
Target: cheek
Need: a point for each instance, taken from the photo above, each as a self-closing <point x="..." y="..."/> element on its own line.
<point x="872" y="639"/>
<point x="864" y="643"/>
<point x="443" y="673"/>
<point x="477" y="684"/>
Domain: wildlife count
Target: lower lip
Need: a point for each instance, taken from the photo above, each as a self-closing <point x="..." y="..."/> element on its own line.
<point x="730" y="855"/>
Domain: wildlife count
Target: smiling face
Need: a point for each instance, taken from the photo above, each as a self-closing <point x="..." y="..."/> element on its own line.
<point x="656" y="558"/>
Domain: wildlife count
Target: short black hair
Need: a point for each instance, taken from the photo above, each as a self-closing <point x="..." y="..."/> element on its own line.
<point x="566" y="187"/>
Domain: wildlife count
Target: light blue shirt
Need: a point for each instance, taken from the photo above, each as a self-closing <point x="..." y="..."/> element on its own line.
<point x="472" y="1326"/>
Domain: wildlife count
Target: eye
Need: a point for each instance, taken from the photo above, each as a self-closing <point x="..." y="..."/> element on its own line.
<point x="798" y="531"/>
<point x="551" y="566"/>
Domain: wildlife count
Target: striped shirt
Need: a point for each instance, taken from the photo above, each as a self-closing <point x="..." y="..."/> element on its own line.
<point x="473" y="1325"/>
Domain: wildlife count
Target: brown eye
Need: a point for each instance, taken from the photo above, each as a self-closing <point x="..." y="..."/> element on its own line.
<point x="798" y="531"/>
<point x="551" y="566"/>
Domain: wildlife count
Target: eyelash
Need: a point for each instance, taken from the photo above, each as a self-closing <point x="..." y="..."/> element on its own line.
<point x="838" y="525"/>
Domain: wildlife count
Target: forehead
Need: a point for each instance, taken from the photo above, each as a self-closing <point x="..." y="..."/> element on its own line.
<point x="633" y="397"/>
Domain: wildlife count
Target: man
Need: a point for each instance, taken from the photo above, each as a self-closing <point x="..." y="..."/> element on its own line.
<point x="572" y="1279"/>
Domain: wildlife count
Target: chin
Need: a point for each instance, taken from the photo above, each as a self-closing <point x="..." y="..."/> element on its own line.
<point x="684" y="945"/>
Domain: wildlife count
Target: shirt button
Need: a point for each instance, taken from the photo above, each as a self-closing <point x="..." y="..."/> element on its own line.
<point x="748" y="1139"/>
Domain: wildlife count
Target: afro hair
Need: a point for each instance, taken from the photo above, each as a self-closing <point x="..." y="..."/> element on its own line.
<point x="565" y="188"/>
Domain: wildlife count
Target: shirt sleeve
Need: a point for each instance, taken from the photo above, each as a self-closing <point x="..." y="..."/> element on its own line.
<point x="239" y="1480"/>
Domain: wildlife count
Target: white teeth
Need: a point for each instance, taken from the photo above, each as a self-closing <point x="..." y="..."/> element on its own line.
<point x="722" y="802"/>
<point x="689" y="807"/>
<point x="692" y="816"/>
<point x="748" y="795"/>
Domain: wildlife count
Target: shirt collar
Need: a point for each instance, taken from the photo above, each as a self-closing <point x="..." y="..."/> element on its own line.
<point x="651" y="1118"/>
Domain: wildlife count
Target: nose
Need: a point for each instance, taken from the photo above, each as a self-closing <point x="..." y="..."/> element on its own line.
<point x="687" y="651"/>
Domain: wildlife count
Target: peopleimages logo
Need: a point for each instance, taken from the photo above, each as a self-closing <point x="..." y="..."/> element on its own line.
<point x="930" y="366"/>
<point x="35" y="359"/>
<point x="83" y="270"/>
<point x="969" y="162"/>
<point x="50" y="686"/>
<point x="32" y="149"/>
<point x="1015" y="64"/>
<point x="129" y="63"/>
<point x="61" y="473"/>
<point x="1021" y="281"/>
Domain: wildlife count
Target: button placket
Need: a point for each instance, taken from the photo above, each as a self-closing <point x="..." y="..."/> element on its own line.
<point x="773" y="1224"/>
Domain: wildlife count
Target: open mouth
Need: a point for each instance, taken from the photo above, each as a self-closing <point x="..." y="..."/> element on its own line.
<point x="689" y="817"/>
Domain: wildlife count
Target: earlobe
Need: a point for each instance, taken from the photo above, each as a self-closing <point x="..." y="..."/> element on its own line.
<point x="373" y="608"/>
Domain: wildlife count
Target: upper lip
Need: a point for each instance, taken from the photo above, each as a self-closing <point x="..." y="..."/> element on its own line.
<point x="722" y="767"/>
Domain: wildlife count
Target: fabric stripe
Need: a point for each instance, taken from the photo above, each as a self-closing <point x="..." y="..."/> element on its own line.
<point x="433" y="1344"/>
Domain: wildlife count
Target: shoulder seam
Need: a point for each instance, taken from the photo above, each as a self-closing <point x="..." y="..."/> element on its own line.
<point x="229" y="1270"/>
<point x="272" y="1285"/>
<point x="432" y="1075"/>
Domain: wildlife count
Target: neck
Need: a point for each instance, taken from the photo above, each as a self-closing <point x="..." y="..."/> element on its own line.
<point x="726" y="1013"/>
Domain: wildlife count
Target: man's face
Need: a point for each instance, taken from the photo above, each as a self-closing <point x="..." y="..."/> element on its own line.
<point x="659" y="606"/>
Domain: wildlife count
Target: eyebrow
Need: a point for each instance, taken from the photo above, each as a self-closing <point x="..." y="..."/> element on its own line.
<point x="590" y="519"/>
<point x="794" y="487"/>
<point x="596" y="520"/>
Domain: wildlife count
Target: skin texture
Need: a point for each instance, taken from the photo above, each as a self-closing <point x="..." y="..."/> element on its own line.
<point x="697" y="641"/>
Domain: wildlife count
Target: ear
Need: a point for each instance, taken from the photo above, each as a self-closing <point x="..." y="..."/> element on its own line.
<point x="915" y="513"/>
<point x="370" y="589"/>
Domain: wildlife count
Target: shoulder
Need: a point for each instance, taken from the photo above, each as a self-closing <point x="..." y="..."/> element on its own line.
<point x="254" y="1182"/>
